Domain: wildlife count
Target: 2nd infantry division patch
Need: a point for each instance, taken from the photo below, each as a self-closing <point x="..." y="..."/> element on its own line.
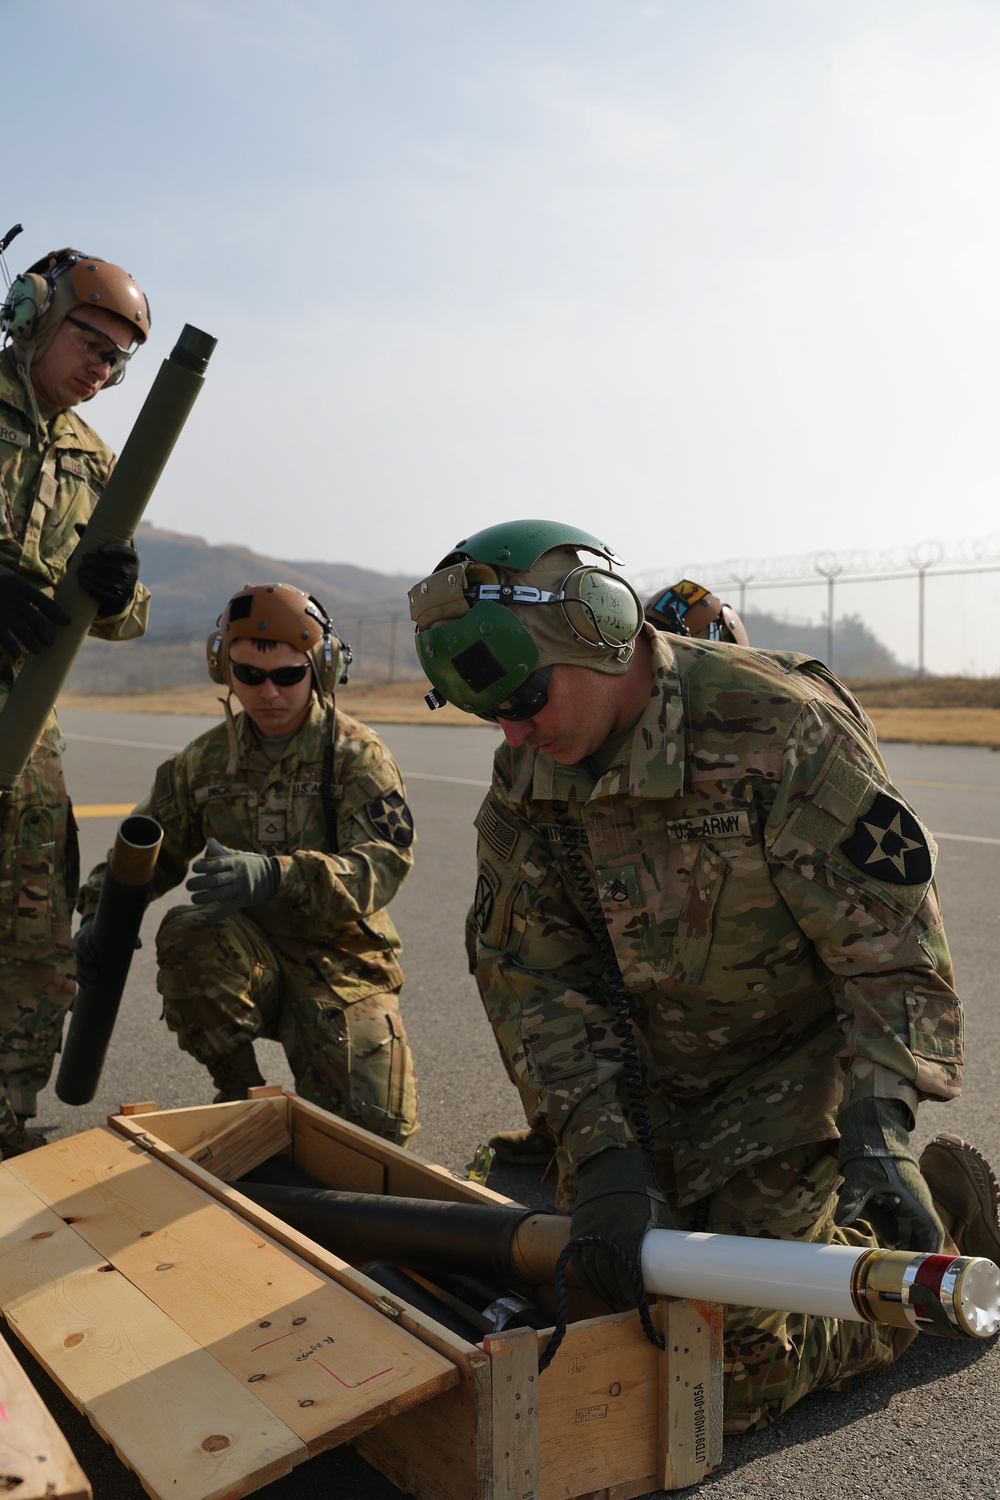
<point x="391" y="818"/>
<point x="889" y="843"/>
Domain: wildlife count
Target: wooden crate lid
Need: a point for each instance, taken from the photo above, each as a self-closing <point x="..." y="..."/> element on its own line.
<point x="212" y="1358"/>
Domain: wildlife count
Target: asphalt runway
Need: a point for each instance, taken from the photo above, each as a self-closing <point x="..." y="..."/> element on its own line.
<point x="927" y="1425"/>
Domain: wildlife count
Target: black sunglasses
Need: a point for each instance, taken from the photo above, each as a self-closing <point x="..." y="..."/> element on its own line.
<point x="280" y="676"/>
<point x="525" y="701"/>
<point x="100" y="346"/>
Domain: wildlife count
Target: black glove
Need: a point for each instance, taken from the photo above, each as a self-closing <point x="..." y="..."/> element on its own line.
<point x="612" y="1200"/>
<point x="109" y="574"/>
<point x="231" y="880"/>
<point x="26" y="614"/>
<point x="87" y="970"/>
<point x="882" y="1181"/>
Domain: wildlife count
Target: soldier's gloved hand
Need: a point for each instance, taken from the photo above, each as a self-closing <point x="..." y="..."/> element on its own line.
<point x="882" y="1181"/>
<point x="109" y="574"/>
<point x="26" y="615"/>
<point x="612" y="1200"/>
<point x="230" y="880"/>
<point x="87" y="970"/>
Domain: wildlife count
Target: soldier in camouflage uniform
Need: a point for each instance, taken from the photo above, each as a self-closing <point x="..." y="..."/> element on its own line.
<point x="309" y="838"/>
<point x="69" y="323"/>
<point x="685" y="608"/>
<point x="708" y="940"/>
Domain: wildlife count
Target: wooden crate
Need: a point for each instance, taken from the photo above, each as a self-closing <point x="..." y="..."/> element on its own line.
<point x="612" y="1417"/>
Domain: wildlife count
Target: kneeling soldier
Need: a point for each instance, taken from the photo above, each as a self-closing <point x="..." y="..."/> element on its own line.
<point x="308" y="840"/>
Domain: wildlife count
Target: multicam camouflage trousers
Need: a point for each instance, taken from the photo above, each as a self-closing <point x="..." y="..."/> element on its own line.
<point x="39" y="872"/>
<point x="773" y="1359"/>
<point x="224" y="983"/>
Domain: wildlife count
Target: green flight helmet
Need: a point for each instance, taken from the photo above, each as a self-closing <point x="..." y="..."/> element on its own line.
<point x="479" y="634"/>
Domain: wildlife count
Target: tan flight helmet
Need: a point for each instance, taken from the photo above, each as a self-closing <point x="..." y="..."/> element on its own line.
<point x="62" y="281"/>
<point x="688" y="608"/>
<point x="279" y="612"/>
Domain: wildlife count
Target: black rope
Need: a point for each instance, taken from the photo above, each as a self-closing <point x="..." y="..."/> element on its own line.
<point x="562" y="1307"/>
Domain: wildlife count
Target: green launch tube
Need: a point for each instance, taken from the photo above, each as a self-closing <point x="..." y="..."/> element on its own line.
<point x="115" y="518"/>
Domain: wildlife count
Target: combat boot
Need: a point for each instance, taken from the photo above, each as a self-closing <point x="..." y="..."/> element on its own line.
<point x="523" y="1148"/>
<point x="19" y="1140"/>
<point x="966" y="1194"/>
<point x="236" y="1074"/>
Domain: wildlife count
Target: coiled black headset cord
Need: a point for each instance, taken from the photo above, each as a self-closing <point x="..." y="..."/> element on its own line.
<point x="640" y="1121"/>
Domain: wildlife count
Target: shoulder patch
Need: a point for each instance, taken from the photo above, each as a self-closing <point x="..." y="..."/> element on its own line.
<point x="487" y="886"/>
<point x="391" y="818"/>
<point x="888" y="843"/>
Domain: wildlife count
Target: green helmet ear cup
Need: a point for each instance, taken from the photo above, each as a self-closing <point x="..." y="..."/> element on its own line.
<point x="476" y="662"/>
<point x="602" y="608"/>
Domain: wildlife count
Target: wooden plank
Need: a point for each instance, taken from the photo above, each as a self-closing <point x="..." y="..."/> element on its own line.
<point x="516" y="1440"/>
<point x="243" y="1143"/>
<point x="597" y="1410"/>
<point x="142" y="1107"/>
<point x="185" y="1425"/>
<point x="183" y="1129"/>
<point x="36" y="1462"/>
<point x="689" y="1425"/>
<point x="320" y="1359"/>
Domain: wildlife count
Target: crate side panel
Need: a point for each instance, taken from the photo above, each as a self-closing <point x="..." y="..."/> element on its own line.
<point x="598" y="1409"/>
<point x="443" y="1451"/>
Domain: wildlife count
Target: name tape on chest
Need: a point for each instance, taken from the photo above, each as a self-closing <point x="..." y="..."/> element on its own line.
<point x="11" y="435"/>
<point x="235" y="791"/>
<point x="723" y="825"/>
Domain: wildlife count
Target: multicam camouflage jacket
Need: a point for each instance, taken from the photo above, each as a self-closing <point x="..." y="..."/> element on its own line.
<point x="769" y="898"/>
<point x="330" y="906"/>
<point x="48" y="488"/>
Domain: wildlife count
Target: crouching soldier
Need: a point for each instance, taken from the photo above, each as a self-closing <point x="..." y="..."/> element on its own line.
<point x="308" y="839"/>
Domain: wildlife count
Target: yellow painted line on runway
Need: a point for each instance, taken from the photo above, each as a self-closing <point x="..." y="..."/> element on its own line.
<point x="104" y="809"/>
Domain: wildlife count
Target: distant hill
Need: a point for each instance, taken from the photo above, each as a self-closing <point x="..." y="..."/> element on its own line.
<point x="857" y="651"/>
<point x="191" y="580"/>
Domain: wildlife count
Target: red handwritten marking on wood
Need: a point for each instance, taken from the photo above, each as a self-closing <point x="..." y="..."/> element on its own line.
<point x="272" y="1341"/>
<point x="351" y="1384"/>
<point x="3" y="1412"/>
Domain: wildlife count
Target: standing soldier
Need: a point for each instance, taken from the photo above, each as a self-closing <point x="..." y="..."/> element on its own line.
<point x="308" y="840"/>
<point x="70" y="323"/>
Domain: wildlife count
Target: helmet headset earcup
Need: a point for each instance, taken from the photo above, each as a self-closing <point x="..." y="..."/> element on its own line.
<point x="29" y="298"/>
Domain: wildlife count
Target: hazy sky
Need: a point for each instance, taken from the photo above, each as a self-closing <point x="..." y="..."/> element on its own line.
<point x="709" y="278"/>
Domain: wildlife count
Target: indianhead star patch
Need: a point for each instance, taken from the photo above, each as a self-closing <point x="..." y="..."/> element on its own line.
<point x="889" y="843"/>
<point x="391" y="818"/>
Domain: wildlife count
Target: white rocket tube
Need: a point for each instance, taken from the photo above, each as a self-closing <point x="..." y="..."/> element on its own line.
<point x="951" y="1294"/>
<point x="751" y="1272"/>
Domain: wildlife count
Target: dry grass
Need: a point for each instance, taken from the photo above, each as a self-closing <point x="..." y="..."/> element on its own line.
<point x="938" y="726"/>
<point x="919" y="710"/>
<point x="374" y="702"/>
<point x="927" y="692"/>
